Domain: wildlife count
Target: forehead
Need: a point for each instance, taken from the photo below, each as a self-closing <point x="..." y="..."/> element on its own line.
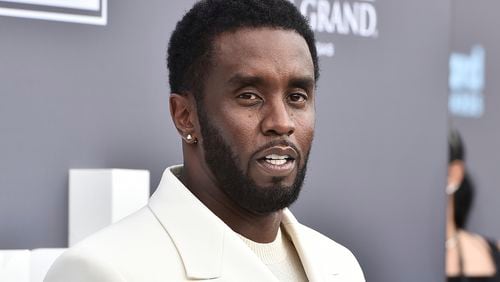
<point x="268" y="50"/>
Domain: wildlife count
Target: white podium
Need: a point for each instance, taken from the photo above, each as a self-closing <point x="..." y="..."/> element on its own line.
<point x="26" y="265"/>
<point x="41" y="261"/>
<point x="15" y="266"/>
<point x="99" y="197"/>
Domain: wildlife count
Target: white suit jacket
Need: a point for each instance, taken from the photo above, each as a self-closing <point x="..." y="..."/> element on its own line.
<point x="177" y="238"/>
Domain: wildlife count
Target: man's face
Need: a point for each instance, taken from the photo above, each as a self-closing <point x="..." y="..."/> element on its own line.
<point x="257" y="116"/>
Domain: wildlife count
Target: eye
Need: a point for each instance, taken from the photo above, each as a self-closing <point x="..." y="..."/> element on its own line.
<point x="248" y="96"/>
<point x="248" y="99"/>
<point x="298" y="97"/>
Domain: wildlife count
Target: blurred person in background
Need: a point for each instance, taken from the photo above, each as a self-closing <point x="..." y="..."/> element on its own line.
<point x="469" y="257"/>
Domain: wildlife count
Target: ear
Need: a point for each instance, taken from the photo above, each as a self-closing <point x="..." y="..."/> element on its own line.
<point x="183" y="112"/>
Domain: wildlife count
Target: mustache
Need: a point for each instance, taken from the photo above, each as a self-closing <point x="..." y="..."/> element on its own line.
<point x="278" y="142"/>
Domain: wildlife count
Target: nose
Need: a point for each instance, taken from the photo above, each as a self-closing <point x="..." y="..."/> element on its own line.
<point x="277" y="120"/>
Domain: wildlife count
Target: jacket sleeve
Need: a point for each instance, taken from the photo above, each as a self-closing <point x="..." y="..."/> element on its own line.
<point x="74" y="266"/>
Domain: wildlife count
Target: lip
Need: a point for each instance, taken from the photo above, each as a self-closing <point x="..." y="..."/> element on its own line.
<point x="277" y="170"/>
<point x="278" y="150"/>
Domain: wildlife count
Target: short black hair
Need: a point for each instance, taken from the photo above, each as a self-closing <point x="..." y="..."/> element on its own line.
<point x="456" y="146"/>
<point x="191" y="43"/>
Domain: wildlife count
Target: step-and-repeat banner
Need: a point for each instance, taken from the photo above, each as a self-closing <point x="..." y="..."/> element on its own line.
<point x="90" y="96"/>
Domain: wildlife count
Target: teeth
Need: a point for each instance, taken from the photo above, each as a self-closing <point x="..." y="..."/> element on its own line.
<point x="276" y="162"/>
<point x="277" y="157"/>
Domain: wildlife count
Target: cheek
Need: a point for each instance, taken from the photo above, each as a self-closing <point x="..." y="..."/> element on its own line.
<point x="305" y="131"/>
<point x="239" y="124"/>
<point x="239" y="129"/>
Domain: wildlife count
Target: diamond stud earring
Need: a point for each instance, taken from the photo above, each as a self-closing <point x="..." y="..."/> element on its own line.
<point x="190" y="139"/>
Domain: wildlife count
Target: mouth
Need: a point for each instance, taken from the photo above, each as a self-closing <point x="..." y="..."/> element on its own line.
<point x="278" y="161"/>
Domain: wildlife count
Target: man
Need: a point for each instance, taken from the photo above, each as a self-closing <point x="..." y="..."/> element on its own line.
<point x="242" y="76"/>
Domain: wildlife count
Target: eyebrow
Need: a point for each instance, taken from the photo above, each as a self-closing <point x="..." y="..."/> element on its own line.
<point x="242" y="79"/>
<point x="239" y="79"/>
<point x="305" y="82"/>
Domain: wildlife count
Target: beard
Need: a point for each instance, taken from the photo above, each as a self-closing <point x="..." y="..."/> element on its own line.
<point x="237" y="185"/>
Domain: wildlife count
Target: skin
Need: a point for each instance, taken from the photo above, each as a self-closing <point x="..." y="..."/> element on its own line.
<point x="456" y="172"/>
<point x="260" y="88"/>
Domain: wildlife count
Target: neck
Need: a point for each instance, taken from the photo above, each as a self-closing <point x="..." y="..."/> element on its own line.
<point x="261" y="228"/>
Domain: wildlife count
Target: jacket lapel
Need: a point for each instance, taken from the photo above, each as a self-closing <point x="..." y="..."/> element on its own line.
<point x="209" y="249"/>
<point x="311" y="253"/>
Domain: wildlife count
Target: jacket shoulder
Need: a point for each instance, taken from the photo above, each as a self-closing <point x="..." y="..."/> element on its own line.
<point x="78" y="266"/>
<point x="136" y="248"/>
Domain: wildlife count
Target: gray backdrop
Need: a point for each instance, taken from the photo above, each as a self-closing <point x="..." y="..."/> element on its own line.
<point x="475" y="23"/>
<point x="79" y="96"/>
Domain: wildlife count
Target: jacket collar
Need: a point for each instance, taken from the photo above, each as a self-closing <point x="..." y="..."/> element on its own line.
<point x="200" y="236"/>
<point x="196" y="232"/>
